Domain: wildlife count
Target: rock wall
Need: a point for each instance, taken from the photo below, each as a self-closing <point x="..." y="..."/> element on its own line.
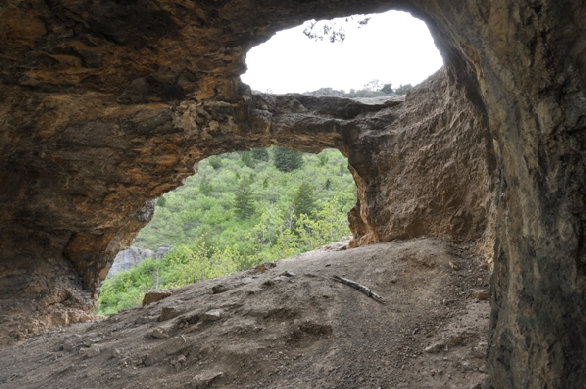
<point x="128" y="258"/>
<point x="106" y="105"/>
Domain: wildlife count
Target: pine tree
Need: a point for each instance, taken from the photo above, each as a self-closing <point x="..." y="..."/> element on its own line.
<point x="260" y="154"/>
<point x="287" y="160"/>
<point x="205" y="185"/>
<point x="243" y="202"/>
<point x="161" y="201"/>
<point x="248" y="158"/>
<point x="304" y="200"/>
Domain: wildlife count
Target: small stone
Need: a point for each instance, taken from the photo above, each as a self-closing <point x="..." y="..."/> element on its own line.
<point x="481" y="294"/>
<point x="168" y="313"/>
<point x="158" y="333"/>
<point x="479" y="351"/>
<point x="212" y="315"/>
<point x="454" y="266"/>
<point x="466" y="366"/>
<point x="115" y="353"/>
<point x="175" y="345"/>
<point x="206" y="378"/>
<point x="68" y="345"/>
<point x="287" y="273"/>
<point x="263" y="267"/>
<point x="456" y="340"/>
<point x="155" y="295"/>
<point x="434" y="348"/>
<point x="87" y="342"/>
<point x="89" y="352"/>
<point x="218" y="289"/>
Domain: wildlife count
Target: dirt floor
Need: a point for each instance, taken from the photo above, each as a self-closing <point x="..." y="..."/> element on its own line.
<point x="286" y="326"/>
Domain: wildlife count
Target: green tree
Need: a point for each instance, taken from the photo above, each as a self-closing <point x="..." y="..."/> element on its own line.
<point x="260" y="154"/>
<point x="403" y="89"/>
<point x="215" y="161"/>
<point x="387" y="89"/>
<point x="304" y="200"/>
<point x="247" y="158"/>
<point x="161" y="201"/>
<point x="243" y="202"/>
<point x="287" y="160"/>
<point x="205" y="185"/>
<point x="323" y="159"/>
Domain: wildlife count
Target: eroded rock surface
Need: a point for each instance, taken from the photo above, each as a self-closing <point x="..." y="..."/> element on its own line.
<point x="290" y="325"/>
<point x="106" y="105"/>
<point x="128" y="258"/>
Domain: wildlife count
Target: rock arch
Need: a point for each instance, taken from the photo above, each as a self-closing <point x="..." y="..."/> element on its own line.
<point x="107" y="104"/>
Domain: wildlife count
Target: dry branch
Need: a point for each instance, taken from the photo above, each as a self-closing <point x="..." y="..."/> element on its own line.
<point x="362" y="288"/>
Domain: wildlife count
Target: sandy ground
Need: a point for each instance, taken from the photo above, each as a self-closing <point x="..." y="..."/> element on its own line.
<point x="286" y="326"/>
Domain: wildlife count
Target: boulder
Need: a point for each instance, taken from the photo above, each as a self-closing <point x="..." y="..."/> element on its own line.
<point x="128" y="258"/>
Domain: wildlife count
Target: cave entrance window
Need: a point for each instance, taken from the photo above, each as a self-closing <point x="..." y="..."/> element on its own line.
<point x="368" y="53"/>
<point x="241" y="209"/>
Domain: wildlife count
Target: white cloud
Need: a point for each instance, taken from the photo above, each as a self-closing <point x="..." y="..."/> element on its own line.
<point x="393" y="47"/>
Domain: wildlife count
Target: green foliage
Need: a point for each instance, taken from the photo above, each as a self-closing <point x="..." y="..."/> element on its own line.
<point x="287" y="160"/>
<point x="198" y="221"/>
<point x="248" y="158"/>
<point x="205" y="185"/>
<point x="260" y="154"/>
<point x="303" y="201"/>
<point x="161" y="201"/>
<point x="243" y="202"/>
<point x="182" y="266"/>
<point x="215" y="161"/>
<point x="323" y="159"/>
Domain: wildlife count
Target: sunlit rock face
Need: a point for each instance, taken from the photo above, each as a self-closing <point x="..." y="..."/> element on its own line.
<point x="106" y="105"/>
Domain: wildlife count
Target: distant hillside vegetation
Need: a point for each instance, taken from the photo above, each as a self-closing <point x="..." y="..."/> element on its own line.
<point x="241" y="209"/>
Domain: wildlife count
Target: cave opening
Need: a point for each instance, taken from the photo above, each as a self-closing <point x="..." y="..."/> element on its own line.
<point x="240" y="209"/>
<point x="386" y="52"/>
<point x="97" y="122"/>
<point x="235" y="212"/>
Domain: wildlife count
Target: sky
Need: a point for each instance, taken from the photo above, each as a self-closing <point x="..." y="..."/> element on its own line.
<point x="392" y="47"/>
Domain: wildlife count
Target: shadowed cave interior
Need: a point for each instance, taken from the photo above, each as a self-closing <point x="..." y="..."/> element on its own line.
<point x="107" y="105"/>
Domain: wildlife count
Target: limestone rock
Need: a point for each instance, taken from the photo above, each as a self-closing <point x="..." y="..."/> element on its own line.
<point x="158" y="333"/>
<point x="155" y="295"/>
<point x="106" y="105"/>
<point x="168" y="313"/>
<point x="128" y="258"/>
<point x="90" y="352"/>
<point x="205" y="379"/>
<point x="212" y="315"/>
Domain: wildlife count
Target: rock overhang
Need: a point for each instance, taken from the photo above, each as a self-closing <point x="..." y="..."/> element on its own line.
<point x="98" y="119"/>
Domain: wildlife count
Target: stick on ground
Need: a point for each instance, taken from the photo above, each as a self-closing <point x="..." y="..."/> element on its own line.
<point x="362" y="288"/>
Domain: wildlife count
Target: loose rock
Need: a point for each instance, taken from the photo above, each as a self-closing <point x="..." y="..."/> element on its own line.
<point x="155" y="295"/>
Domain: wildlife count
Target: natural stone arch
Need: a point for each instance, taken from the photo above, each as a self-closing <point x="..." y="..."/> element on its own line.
<point x="92" y="128"/>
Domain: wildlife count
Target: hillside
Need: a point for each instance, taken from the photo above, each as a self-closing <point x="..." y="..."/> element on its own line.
<point x="286" y="326"/>
<point x="241" y="209"/>
<point x="205" y="205"/>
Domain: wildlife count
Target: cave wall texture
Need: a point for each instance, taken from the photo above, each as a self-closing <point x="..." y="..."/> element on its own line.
<point x="105" y="105"/>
